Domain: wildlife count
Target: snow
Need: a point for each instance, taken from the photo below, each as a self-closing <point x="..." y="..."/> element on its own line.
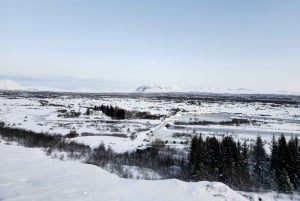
<point x="28" y="174"/>
<point x="28" y="113"/>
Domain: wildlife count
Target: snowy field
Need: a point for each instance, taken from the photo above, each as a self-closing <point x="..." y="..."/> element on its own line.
<point x="181" y="116"/>
<point x="28" y="174"/>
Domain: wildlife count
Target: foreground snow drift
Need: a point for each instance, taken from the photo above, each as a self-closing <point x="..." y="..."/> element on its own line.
<point x="28" y="174"/>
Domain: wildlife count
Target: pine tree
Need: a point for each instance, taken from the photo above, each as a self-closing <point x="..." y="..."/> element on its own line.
<point x="298" y="165"/>
<point x="284" y="183"/>
<point x="193" y="159"/>
<point x="198" y="159"/>
<point x="292" y="162"/>
<point x="244" y="175"/>
<point x="229" y="157"/>
<point x="274" y="167"/>
<point x="201" y="158"/>
<point x="259" y="161"/>
<point x="283" y="153"/>
<point x="88" y="112"/>
<point x="213" y="157"/>
<point x="274" y="156"/>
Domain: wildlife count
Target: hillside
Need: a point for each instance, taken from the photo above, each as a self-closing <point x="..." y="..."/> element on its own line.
<point x="28" y="174"/>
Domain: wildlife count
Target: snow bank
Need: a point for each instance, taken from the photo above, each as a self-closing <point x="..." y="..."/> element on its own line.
<point x="28" y="174"/>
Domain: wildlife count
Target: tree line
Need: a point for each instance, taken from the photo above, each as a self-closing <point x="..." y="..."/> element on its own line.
<point x="113" y="112"/>
<point x="116" y="112"/>
<point x="246" y="167"/>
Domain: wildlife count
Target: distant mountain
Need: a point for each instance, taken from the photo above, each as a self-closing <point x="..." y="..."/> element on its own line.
<point x="107" y="86"/>
<point x="43" y="88"/>
<point x="10" y="85"/>
<point x="15" y="86"/>
<point x="157" y="89"/>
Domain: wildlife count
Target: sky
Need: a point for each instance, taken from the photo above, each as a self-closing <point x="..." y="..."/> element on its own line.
<point x="192" y="44"/>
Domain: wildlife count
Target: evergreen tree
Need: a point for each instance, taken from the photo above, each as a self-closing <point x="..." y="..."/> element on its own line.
<point x="201" y="158"/>
<point x="88" y="112"/>
<point x="284" y="183"/>
<point x="283" y="154"/>
<point x="274" y="167"/>
<point x="229" y="157"/>
<point x="244" y="176"/>
<point x="193" y="158"/>
<point x="259" y="161"/>
<point x="274" y="156"/>
<point x="292" y="162"/>
<point x="213" y="157"/>
<point x="298" y="166"/>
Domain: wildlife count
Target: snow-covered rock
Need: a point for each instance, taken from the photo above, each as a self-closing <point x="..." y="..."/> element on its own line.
<point x="157" y="89"/>
<point x="10" y="85"/>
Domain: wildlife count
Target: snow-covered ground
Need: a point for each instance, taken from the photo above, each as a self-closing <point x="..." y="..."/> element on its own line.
<point x="44" y="114"/>
<point x="28" y="174"/>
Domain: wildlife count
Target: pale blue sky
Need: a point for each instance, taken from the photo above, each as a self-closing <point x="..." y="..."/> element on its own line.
<point x="227" y="44"/>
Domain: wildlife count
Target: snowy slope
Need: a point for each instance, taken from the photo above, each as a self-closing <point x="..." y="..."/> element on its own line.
<point x="28" y="174"/>
<point x="10" y="85"/>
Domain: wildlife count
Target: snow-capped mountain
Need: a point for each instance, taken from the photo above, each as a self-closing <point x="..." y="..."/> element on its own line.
<point x="157" y="89"/>
<point x="63" y="85"/>
<point x="10" y="85"/>
<point x="15" y="86"/>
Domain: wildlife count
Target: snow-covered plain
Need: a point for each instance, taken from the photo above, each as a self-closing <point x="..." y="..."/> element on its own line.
<point x="42" y="113"/>
<point x="28" y="174"/>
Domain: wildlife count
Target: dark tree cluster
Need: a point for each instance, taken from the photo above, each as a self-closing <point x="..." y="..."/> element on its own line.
<point x="119" y="113"/>
<point x="214" y="160"/>
<point x="70" y="114"/>
<point x="285" y="164"/>
<point x="244" y="167"/>
<point x="113" y="112"/>
<point x="235" y="122"/>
